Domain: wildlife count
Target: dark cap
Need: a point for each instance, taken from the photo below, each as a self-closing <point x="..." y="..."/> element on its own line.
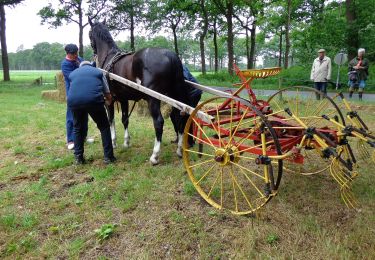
<point x="71" y="48"/>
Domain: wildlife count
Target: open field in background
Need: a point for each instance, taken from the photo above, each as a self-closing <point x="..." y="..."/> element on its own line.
<point x="295" y="76"/>
<point x="50" y="208"/>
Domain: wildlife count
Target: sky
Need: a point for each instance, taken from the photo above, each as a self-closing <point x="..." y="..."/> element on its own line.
<point x="23" y="27"/>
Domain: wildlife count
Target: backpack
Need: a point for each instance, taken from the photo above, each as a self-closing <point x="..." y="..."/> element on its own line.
<point x="353" y="76"/>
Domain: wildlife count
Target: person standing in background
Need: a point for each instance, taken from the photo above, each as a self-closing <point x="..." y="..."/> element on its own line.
<point x="68" y="65"/>
<point x="358" y="73"/>
<point x="321" y="72"/>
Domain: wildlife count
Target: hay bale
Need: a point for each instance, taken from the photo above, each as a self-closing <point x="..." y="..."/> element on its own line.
<point x="142" y="108"/>
<point x="60" y="82"/>
<point x="51" y="95"/>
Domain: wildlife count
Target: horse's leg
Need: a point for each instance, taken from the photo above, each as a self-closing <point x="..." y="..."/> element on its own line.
<point x="125" y="122"/>
<point x="111" y="119"/>
<point x="174" y="119"/>
<point x="154" y="107"/>
<point x="182" y="119"/>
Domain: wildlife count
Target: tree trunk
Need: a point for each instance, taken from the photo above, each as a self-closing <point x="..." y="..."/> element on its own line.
<point x="247" y="43"/>
<point x="132" y="39"/>
<point x="287" y="39"/>
<point x="216" y="50"/>
<point x="280" y="47"/>
<point x="352" y="32"/>
<point x="203" y="36"/>
<point x="4" y="51"/>
<point x="80" y="17"/>
<point x="253" y="43"/>
<point x="229" y="17"/>
<point x="175" y="40"/>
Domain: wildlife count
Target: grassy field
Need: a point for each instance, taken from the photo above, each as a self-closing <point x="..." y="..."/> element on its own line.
<point x="50" y="208"/>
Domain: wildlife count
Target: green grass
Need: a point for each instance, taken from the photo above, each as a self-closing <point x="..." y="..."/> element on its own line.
<point x="50" y="208"/>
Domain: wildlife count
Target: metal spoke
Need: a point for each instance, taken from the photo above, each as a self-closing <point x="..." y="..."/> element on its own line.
<point x="321" y="106"/>
<point x="221" y="187"/>
<point x="277" y="104"/>
<point x="245" y="138"/>
<point x="203" y="141"/>
<point x="251" y="182"/>
<point x="201" y="163"/>
<point x="205" y="174"/>
<point x="250" y="171"/>
<point x="218" y="126"/>
<point x="235" y="194"/>
<point x="243" y="193"/>
<point x="200" y="153"/>
<point x="252" y="147"/>
<point x="202" y="131"/>
<point x="235" y="130"/>
<point x="231" y="120"/>
<point x="212" y="187"/>
<point x="246" y="158"/>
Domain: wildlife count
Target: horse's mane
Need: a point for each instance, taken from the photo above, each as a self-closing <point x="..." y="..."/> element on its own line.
<point x="101" y="32"/>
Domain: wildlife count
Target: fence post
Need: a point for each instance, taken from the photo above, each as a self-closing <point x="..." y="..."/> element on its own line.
<point x="280" y="86"/>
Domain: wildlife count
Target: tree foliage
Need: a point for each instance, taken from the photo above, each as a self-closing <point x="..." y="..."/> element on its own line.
<point x="212" y="34"/>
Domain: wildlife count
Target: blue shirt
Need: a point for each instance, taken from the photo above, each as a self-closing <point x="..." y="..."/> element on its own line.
<point x="87" y="86"/>
<point x="67" y="66"/>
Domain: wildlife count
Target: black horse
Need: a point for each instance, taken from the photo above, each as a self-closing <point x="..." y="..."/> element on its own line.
<point x="155" y="68"/>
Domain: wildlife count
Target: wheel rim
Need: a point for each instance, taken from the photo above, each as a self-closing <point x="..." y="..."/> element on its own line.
<point x="310" y="111"/>
<point x="226" y="172"/>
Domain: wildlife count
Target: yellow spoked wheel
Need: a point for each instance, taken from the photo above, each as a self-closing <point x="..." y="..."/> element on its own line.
<point x="303" y="103"/>
<point x="364" y="151"/>
<point x="234" y="162"/>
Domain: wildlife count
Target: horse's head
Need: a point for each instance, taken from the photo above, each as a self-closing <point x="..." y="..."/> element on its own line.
<point x="99" y="32"/>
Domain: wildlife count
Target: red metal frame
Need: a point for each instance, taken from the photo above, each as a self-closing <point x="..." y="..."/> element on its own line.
<point x="288" y="141"/>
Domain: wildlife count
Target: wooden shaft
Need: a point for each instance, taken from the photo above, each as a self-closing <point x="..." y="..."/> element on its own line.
<point x="177" y="104"/>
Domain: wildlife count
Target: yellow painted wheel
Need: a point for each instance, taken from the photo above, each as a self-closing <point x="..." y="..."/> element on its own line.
<point x="229" y="164"/>
<point x="303" y="103"/>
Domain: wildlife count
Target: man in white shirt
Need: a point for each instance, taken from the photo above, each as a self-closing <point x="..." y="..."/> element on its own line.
<point x="321" y="72"/>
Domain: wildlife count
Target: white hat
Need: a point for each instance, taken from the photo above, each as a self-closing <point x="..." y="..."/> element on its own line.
<point x="83" y="63"/>
<point x="322" y="50"/>
<point x="360" y="50"/>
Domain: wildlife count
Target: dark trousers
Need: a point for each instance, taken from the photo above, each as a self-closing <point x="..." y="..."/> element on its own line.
<point x="99" y="115"/>
<point x="322" y="87"/>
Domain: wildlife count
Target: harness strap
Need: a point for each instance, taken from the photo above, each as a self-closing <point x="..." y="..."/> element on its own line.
<point x="115" y="58"/>
<point x="131" y="111"/>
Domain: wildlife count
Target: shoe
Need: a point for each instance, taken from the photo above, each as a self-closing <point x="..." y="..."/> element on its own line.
<point x="70" y="146"/>
<point x="80" y="160"/>
<point x="109" y="160"/>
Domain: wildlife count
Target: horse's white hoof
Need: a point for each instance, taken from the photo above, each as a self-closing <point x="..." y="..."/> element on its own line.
<point x="179" y="152"/>
<point x="126" y="144"/>
<point x="114" y="145"/>
<point x="154" y="161"/>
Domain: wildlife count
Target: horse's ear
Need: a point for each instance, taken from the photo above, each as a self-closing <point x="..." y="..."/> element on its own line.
<point x="105" y="21"/>
<point x="90" y="22"/>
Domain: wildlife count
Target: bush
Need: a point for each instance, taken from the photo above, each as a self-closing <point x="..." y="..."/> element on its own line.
<point x="294" y="76"/>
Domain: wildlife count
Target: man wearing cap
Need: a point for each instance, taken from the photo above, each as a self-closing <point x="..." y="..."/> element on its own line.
<point x="358" y="73"/>
<point x="69" y="64"/>
<point x="88" y="88"/>
<point x="321" y="72"/>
